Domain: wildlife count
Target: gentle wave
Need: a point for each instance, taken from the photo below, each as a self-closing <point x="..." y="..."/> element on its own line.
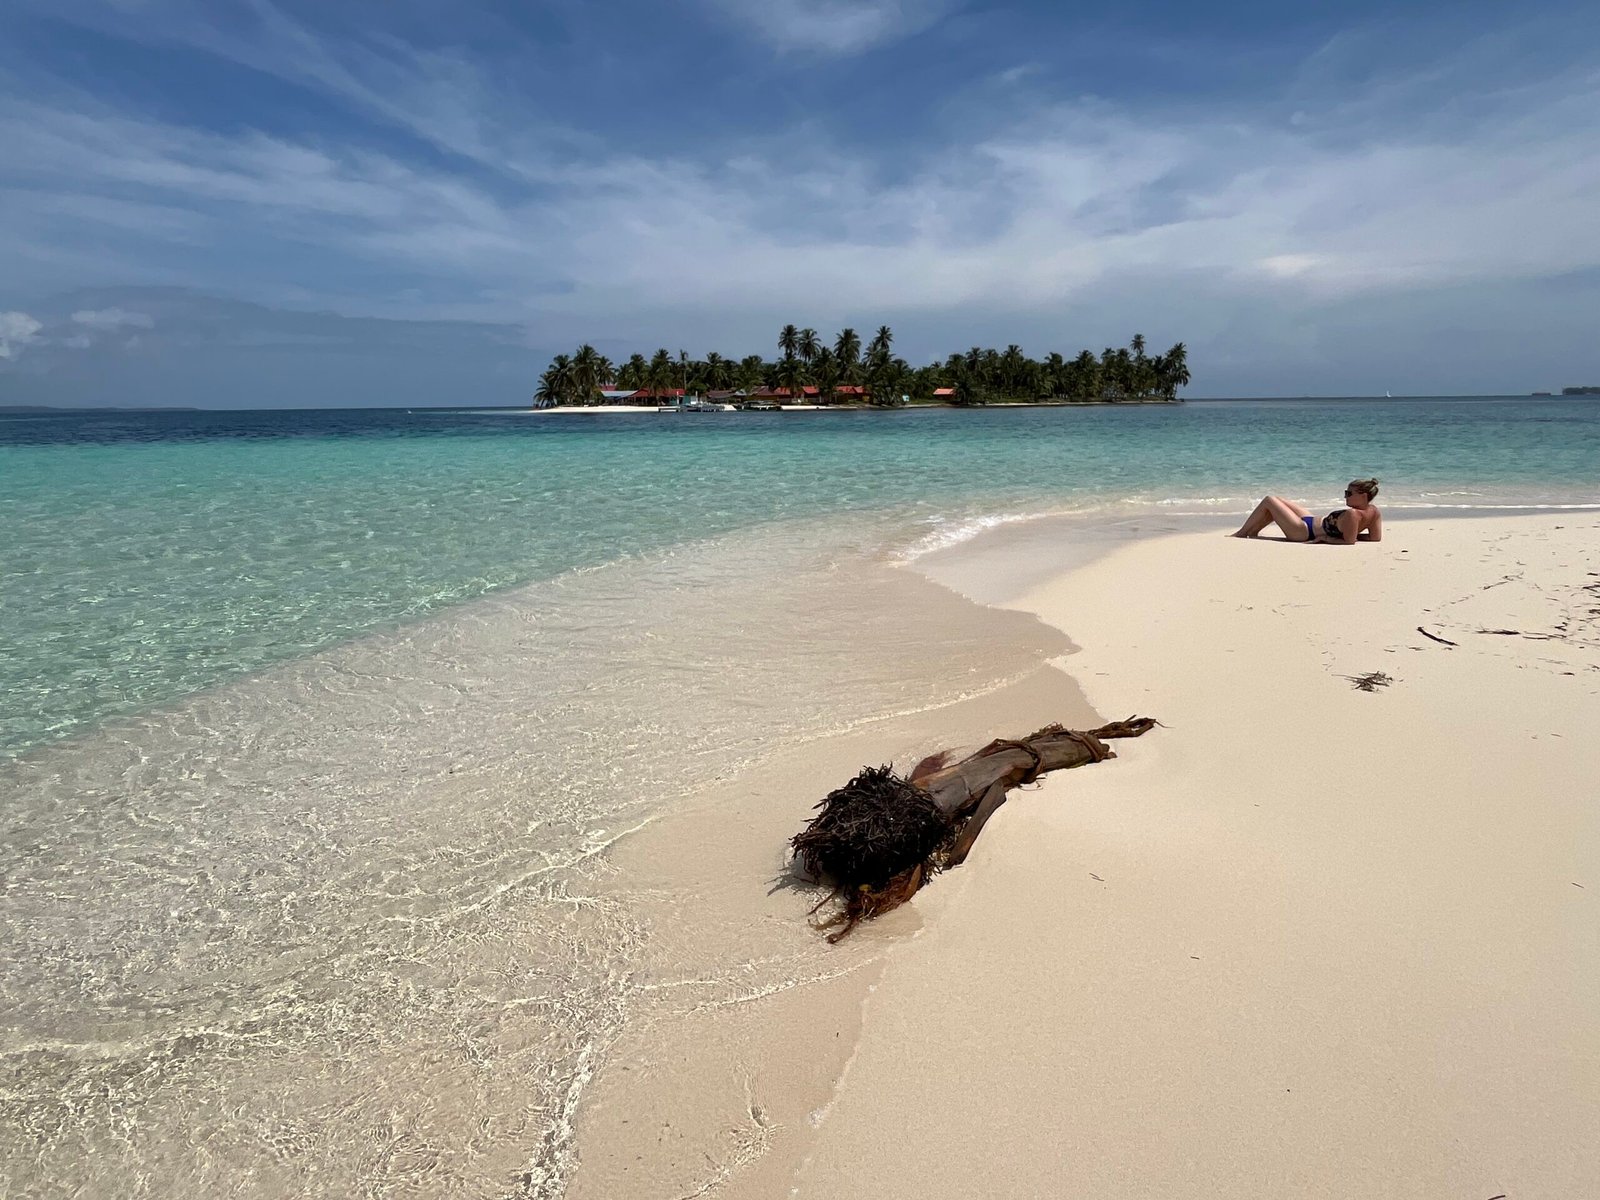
<point x="948" y="532"/>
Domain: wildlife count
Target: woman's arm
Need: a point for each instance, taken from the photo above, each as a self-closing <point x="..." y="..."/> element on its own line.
<point x="1375" y="533"/>
<point x="1349" y="527"/>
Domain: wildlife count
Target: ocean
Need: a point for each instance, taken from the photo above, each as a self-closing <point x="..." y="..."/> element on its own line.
<point x="151" y="555"/>
<point x="317" y="727"/>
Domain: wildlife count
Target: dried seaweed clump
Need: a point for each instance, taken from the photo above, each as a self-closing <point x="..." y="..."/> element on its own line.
<point x="876" y="839"/>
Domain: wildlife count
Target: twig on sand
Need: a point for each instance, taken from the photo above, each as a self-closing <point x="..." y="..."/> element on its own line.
<point x="1434" y="638"/>
<point x="1370" y="682"/>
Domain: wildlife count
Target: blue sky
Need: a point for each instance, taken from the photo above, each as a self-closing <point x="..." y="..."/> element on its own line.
<point x="248" y="202"/>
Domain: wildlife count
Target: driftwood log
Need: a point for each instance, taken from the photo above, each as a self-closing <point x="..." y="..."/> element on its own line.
<point x="879" y="838"/>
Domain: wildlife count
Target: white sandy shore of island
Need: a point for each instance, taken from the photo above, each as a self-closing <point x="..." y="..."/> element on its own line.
<point x="1305" y="940"/>
<point x="665" y="409"/>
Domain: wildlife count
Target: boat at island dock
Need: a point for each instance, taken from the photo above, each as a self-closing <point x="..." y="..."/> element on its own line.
<point x="697" y="405"/>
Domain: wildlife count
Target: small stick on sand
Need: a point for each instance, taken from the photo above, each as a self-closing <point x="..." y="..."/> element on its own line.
<point x="1370" y="682"/>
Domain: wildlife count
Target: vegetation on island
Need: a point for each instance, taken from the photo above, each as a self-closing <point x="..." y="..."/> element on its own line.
<point x="848" y="372"/>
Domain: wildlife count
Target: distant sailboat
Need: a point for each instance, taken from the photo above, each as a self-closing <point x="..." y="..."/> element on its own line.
<point x="1387" y="394"/>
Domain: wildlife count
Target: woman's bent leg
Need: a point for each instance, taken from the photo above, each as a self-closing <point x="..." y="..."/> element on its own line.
<point x="1286" y="514"/>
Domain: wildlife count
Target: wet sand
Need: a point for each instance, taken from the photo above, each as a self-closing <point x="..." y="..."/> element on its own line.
<point x="720" y="1083"/>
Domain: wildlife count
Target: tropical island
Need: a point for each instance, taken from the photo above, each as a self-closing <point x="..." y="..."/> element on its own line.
<point x="809" y="372"/>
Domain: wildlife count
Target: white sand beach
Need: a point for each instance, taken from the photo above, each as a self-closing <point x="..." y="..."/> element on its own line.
<point x="567" y="409"/>
<point x="1306" y="940"/>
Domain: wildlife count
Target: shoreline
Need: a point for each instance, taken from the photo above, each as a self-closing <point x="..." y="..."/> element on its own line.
<point x="431" y="877"/>
<point x="770" y="1120"/>
<point x="745" y="1047"/>
<point x="750" y="1016"/>
<point x="1302" y="941"/>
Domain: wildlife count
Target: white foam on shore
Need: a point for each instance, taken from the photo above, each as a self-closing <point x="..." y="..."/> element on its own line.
<point x="947" y="532"/>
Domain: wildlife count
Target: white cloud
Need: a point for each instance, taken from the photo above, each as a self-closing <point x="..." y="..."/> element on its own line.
<point x="1018" y="73"/>
<point x="838" y="27"/>
<point x="17" y="331"/>
<point x="1287" y="266"/>
<point x="112" y="318"/>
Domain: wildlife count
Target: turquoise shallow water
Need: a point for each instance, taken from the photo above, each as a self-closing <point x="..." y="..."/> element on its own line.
<point x="147" y="556"/>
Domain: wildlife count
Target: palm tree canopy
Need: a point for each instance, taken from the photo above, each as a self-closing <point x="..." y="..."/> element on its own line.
<point x="980" y="375"/>
<point x="847" y="347"/>
<point x="792" y="375"/>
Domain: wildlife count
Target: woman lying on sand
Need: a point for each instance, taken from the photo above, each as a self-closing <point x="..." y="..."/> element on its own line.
<point x="1361" y="522"/>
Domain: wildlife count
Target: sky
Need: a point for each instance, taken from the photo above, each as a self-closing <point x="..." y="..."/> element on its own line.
<point x="248" y="203"/>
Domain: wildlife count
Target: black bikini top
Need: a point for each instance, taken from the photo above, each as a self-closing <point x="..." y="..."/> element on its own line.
<point x="1330" y="524"/>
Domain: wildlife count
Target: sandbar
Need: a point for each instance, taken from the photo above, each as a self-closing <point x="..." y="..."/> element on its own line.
<point x="1306" y="939"/>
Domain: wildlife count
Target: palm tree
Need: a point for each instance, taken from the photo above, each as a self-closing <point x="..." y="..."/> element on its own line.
<point x="825" y="371"/>
<point x="792" y="375"/>
<point x="1123" y="374"/>
<point x="1013" y="365"/>
<point x="889" y="381"/>
<point x="1141" y="371"/>
<point x="560" y="373"/>
<point x="633" y="373"/>
<point x="589" y="369"/>
<point x="547" y="395"/>
<point x="1085" y="377"/>
<point x="718" y="372"/>
<point x="658" y="378"/>
<point x="972" y="370"/>
<point x="751" y="372"/>
<point x="1172" y="370"/>
<point x="1054" y="374"/>
<point x="1106" y="375"/>
<point x="878" y="351"/>
<point x="788" y="340"/>
<point x="808" y="345"/>
<point x="847" y="349"/>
